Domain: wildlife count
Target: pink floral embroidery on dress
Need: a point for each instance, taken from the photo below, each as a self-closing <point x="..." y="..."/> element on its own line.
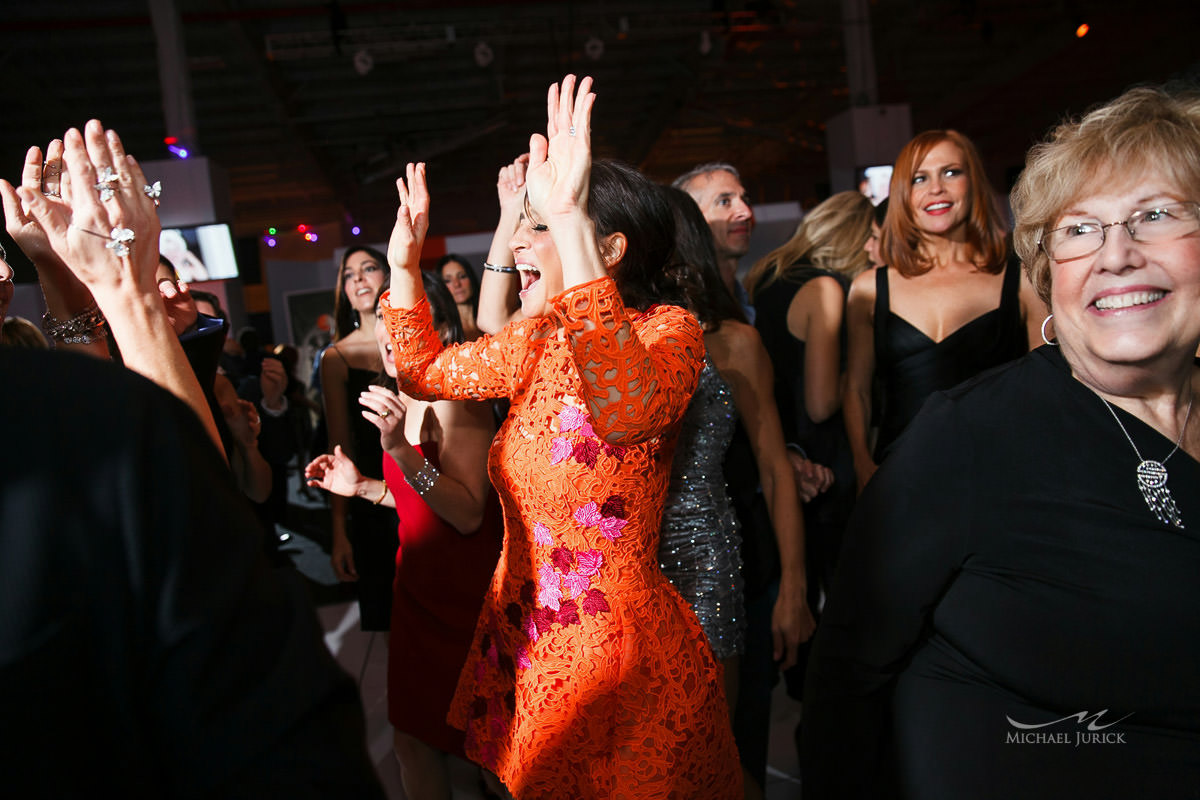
<point x="576" y="584"/>
<point x="523" y="657"/>
<point x="543" y="618"/>
<point x="549" y="588"/>
<point x="586" y="451"/>
<point x="594" y="602"/>
<point x="614" y="506"/>
<point x="563" y="559"/>
<point x="541" y="535"/>
<point x="610" y="527"/>
<point x="568" y="614"/>
<point x="560" y="448"/>
<point x="589" y="562"/>
<point x="571" y="418"/>
<point x="588" y="515"/>
<point x="617" y="451"/>
<point x="531" y="629"/>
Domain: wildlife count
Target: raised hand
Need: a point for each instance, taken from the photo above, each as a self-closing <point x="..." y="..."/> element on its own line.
<point x="105" y="228"/>
<point x="560" y="161"/>
<point x="177" y="300"/>
<point x="510" y="185"/>
<point x="386" y="411"/>
<point x="412" y="220"/>
<point x="45" y="178"/>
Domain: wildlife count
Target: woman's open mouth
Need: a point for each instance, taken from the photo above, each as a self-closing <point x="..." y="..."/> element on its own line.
<point x="530" y="275"/>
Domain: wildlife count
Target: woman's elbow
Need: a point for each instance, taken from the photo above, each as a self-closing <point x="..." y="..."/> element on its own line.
<point x="468" y="522"/>
<point x="821" y="409"/>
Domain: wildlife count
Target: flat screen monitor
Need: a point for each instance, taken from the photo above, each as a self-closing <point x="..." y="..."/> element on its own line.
<point x="874" y="182"/>
<point x="200" y="252"/>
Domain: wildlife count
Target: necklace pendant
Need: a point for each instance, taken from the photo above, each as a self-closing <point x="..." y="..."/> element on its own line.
<point x="1151" y="475"/>
<point x="1152" y="481"/>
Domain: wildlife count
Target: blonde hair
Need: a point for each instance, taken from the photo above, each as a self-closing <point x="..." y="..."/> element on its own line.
<point x="1144" y="130"/>
<point x="831" y="237"/>
<point x="20" y="332"/>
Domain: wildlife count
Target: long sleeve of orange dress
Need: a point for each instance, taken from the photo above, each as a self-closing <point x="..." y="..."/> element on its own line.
<point x="589" y="676"/>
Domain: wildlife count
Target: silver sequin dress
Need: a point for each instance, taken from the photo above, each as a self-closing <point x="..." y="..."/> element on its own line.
<point x="700" y="546"/>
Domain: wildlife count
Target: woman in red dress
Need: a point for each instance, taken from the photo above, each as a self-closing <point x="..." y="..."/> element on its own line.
<point x="449" y="540"/>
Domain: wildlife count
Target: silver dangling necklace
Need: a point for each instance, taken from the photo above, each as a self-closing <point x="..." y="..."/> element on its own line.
<point x="1152" y="475"/>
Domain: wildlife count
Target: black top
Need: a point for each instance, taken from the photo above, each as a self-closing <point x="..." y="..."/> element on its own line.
<point x="820" y="440"/>
<point x="139" y="612"/>
<point x="371" y="528"/>
<point x="824" y="442"/>
<point x="910" y="366"/>
<point x="1003" y="570"/>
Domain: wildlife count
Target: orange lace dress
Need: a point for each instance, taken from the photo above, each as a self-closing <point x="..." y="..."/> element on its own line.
<point x="589" y="675"/>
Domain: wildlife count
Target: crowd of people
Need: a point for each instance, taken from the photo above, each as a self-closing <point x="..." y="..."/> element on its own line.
<point x="933" y="469"/>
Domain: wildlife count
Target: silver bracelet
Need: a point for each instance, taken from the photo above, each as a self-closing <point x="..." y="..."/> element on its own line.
<point x="424" y="480"/>
<point x="494" y="268"/>
<point x="84" y="328"/>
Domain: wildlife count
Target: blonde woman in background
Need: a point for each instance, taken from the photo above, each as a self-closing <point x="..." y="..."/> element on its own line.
<point x="799" y="294"/>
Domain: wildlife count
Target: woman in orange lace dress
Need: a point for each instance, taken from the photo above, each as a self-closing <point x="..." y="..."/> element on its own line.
<point x="590" y="677"/>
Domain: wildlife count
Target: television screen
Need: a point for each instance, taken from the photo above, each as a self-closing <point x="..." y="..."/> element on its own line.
<point x="200" y="252"/>
<point x="874" y="182"/>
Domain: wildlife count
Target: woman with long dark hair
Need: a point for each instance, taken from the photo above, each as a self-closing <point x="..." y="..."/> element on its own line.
<point x="462" y="282"/>
<point x="590" y="676"/>
<point x="364" y="539"/>
<point x="700" y="550"/>
<point x="457" y="523"/>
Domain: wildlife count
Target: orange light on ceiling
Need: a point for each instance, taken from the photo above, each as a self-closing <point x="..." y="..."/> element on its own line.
<point x="1082" y="31"/>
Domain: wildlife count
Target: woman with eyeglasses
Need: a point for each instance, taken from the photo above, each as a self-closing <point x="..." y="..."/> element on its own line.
<point x="1017" y="611"/>
<point x="949" y="304"/>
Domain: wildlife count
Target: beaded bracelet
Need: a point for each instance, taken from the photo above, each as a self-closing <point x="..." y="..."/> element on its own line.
<point x="494" y="268"/>
<point x="84" y="328"/>
<point x="424" y="480"/>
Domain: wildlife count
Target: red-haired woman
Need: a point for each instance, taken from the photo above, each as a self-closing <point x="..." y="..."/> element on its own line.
<point x="949" y="303"/>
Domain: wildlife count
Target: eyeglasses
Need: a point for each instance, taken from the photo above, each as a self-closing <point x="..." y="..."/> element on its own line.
<point x="1151" y="226"/>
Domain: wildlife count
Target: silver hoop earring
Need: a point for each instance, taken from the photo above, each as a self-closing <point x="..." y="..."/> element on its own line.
<point x="1044" y="339"/>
